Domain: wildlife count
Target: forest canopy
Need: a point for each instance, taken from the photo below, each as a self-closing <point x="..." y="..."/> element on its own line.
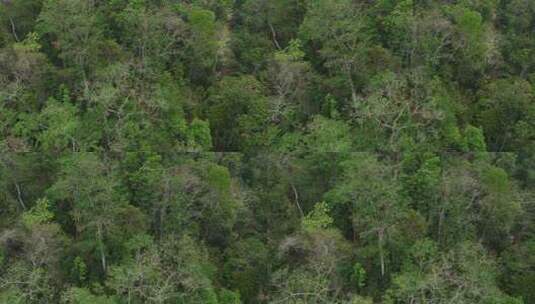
<point x="267" y="151"/>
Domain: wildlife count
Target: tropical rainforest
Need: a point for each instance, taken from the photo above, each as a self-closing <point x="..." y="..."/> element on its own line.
<point x="267" y="151"/>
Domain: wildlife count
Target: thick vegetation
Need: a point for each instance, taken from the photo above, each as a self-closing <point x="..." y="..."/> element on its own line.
<point x="267" y="151"/>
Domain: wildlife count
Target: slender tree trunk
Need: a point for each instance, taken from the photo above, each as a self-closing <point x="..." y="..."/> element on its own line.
<point x="297" y="200"/>
<point x="162" y="219"/>
<point x="13" y="29"/>
<point x="440" y="223"/>
<point x="101" y="248"/>
<point x="274" y="35"/>
<point x="19" y="196"/>
<point x="381" y="252"/>
<point x="351" y="84"/>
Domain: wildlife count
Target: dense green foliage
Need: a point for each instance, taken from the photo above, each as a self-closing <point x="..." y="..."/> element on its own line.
<point x="267" y="151"/>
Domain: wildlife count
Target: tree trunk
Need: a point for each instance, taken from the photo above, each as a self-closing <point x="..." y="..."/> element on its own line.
<point x="19" y="196"/>
<point x="101" y="248"/>
<point x="161" y="221"/>
<point x="297" y="201"/>
<point x="13" y="29"/>
<point x="440" y="223"/>
<point x="381" y="252"/>
<point x="353" y="89"/>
